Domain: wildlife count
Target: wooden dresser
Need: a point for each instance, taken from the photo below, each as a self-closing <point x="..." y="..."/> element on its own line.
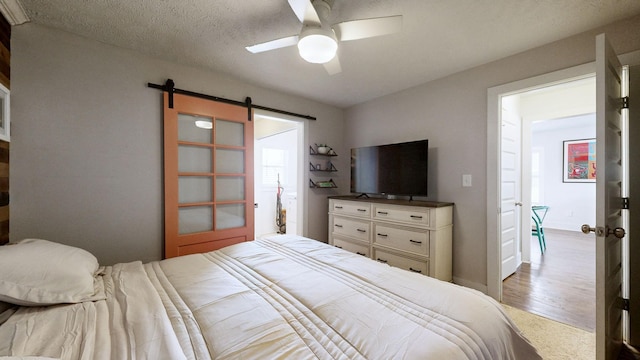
<point x="412" y="235"/>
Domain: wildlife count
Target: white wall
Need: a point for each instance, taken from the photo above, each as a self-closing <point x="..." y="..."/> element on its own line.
<point x="572" y="204"/>
<point x="452" y="113"/>
<point x="86" y="144"/>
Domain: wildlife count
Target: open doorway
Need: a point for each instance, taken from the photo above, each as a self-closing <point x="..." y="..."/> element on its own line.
<point x="277" y="174"/>
<point x="546" y="101"/>
<point x="556" y="278"/>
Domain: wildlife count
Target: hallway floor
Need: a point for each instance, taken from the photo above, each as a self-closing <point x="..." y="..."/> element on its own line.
<point x="559" y="285"/>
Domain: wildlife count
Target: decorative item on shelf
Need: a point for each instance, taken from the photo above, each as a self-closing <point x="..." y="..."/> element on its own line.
<point x="322" y="184"/>
<point x="322" y="149"/>
<point x="318" y="167"/>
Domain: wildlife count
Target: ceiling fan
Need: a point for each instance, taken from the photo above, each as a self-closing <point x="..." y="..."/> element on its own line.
<point x="318" y="41"/>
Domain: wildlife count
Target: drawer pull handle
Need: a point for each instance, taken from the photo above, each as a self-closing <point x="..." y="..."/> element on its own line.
<point x="362" y="210"/>
<point x="338" y="207"/>
<point x="339" y="247"/>
<point x="338" y="225"/>
<point x="362" y="230"/>
<point x="415" y="241"/>
<point x="382" y="260"/>
<point x="382" y="235"/>
<point x="415" y="270"/>
<point x="418" y="217"/>
<point x="383" y="213"/>
<point x="359" y="253"/>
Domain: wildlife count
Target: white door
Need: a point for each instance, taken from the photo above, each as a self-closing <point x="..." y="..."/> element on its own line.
<point x="608" y="201"/>
<point x="511" y="204"/>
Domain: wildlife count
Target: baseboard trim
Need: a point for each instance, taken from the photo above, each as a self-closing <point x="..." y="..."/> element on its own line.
<point x="470" y="284"/>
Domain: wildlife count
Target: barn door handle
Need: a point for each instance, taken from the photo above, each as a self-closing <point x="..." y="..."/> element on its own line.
<point x="602" y="231"/>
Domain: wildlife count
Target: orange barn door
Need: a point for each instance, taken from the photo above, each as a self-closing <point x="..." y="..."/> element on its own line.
<point x="208" y="175"/>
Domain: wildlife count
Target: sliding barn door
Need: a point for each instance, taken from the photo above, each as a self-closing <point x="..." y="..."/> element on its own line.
<point x="208" y="175"/>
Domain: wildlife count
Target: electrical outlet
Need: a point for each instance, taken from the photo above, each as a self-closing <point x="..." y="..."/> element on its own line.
<point x="466" y="180"/>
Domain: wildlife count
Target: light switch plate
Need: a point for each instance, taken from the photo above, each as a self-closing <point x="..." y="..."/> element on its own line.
<point x="466" y="180"/>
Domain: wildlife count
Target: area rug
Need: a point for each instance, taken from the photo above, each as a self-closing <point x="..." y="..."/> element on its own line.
<point x="554" y="340"/>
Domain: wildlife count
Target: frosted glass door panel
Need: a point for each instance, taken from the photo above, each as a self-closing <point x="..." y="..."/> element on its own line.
<point x="230" y="216"/>
<point x="194" y="128"/>
<point x="229" y="133"/>
<point x="194" y="189"/>
<point x="229" y="188"/>
<point x="195" y="219"/>
<point x="229" y="161"/>
<point x="194" y="159"/>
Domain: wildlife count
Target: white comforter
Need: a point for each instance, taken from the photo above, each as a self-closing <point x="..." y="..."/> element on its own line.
<point x="277" y="298"/>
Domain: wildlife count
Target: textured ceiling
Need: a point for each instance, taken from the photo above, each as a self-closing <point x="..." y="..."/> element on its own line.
<point x="439" y="37"/>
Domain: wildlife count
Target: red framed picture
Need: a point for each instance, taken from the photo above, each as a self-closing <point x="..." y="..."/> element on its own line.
<point x="579" y="160"/>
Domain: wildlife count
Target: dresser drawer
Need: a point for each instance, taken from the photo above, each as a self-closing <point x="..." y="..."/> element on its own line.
<point x="405" y="239"/>
<point x="358" y="229"/>
<point x="414" y="265"/>
<point x="360" y="249"/>
<point x="350" y="208"/>
<point x="413" y="216"/>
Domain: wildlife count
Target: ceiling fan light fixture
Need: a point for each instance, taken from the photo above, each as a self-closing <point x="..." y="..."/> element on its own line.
<point x="317" y="45"/>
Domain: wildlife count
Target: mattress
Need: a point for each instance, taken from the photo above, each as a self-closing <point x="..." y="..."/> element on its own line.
<point x="280" y="297"/>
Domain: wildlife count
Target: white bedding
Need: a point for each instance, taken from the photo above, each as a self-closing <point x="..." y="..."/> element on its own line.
<point x="281" y="297"/>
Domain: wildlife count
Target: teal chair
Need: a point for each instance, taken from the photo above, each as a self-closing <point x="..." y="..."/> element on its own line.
<point x="538" y="214"/>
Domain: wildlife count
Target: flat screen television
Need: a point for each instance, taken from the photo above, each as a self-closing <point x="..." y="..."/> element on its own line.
<point x="392" y="169"/>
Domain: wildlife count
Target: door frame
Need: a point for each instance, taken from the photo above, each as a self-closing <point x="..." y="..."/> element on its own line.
<point x="494" y="136"/>
<point x="302" y="131"/>
<point x="632" y="273"/>
<point x="494" y="283"/>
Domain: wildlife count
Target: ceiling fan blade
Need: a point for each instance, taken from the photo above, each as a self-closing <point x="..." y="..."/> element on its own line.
<point x="360" y="29"/>
<point x="333" y="67"/>
<point x="305" y="12"/>
<point x="273" y="44"/>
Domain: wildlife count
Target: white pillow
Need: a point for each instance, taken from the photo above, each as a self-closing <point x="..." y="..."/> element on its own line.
<point x="37" y="272"/>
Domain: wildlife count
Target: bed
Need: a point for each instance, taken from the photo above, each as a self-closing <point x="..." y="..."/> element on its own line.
<point x="280" y="297"/>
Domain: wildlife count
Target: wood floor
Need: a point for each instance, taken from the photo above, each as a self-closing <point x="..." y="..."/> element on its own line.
<point x="559" y="285"/>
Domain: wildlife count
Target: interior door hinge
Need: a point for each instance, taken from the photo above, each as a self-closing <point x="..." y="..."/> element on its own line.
<point x="625" y="304"/>
<point x="625" y="102"/>
<point x="625" y="203"/>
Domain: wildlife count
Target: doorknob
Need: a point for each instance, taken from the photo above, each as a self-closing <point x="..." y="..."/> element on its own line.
<point x="617" y="232"/>
<point x="518" y="203"/>
<point x="600" y="231"/>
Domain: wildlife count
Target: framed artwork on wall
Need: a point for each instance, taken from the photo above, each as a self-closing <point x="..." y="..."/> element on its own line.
<point x="579" y="161"/>
<point x="4" y="113"/>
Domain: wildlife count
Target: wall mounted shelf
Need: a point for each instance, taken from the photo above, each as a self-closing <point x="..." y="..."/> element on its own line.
<point x="330" y="168"/>
<point x="322" y="167"/>
<point x="322" y="184"/>
<point x="313" y="151"/>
